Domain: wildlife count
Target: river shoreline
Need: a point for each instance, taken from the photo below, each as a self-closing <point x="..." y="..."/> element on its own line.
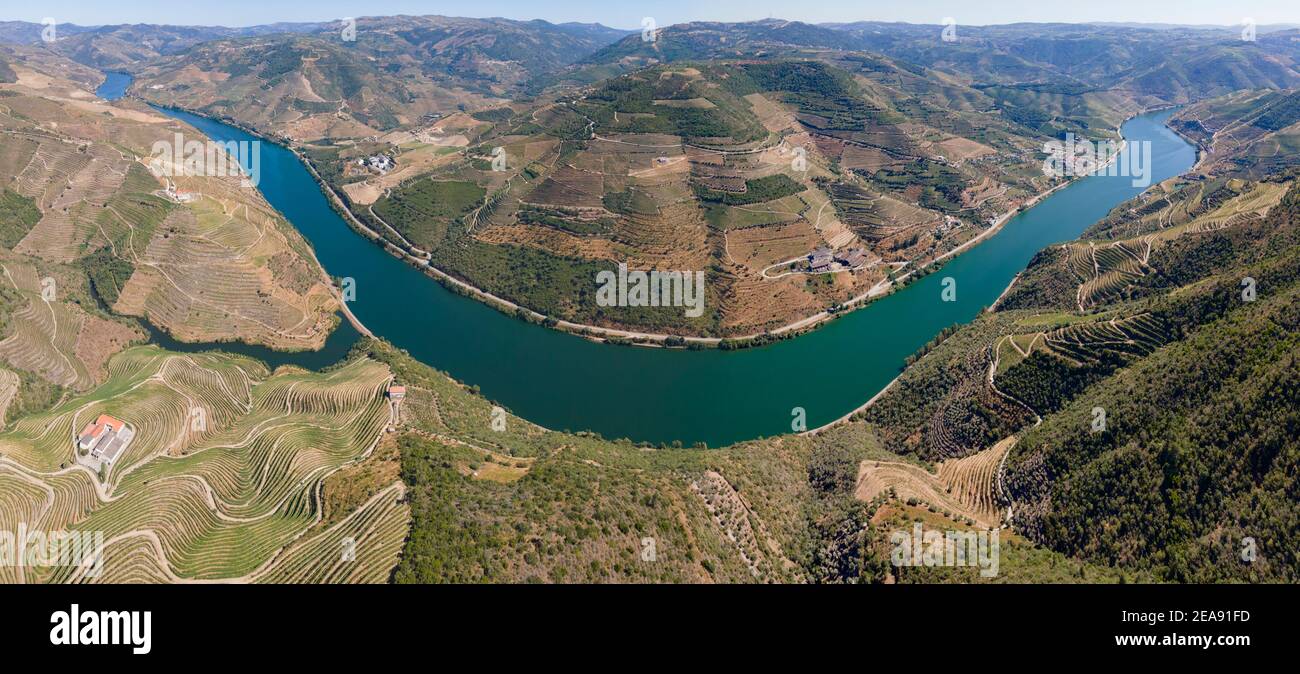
<point x="1011" y="284"/>
<point x="653" y="395"/>
<point x="618" y="336"/>
<point x="603" y="334"/>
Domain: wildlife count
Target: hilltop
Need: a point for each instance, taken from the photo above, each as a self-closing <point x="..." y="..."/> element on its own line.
<point x="354" y="81"/>
<point x="677" y="153"/>
<point x="122" y="46"/>
<point x="741" y="169"/>
<point x="1145" y="376"/>
<point x="1052" y="78"/>
<point x="1248" y="133"/>
<point x="83" y="202"/>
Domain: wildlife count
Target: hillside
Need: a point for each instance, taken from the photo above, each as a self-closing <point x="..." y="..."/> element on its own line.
<point x="1148" y="61"/>
<point x="391" y="72"/>
<point x="122" y="46"/>
<point x="1150" y="399"/>
<point x="702" y="41"/>
<point x="738" y="169"/>
<point x="225" y="460"/>
<point x="81" y="196"/>
<point x="206" y="491"/>
<point x="1129" y="410"/>
<point x="233" y="500"/>
<point x="522" y="504"/>
<point x="677" y="154"/>
<point x="1201" y="439"/>
<point x="1247" y="133"/>
<point x="1085" y="78"/>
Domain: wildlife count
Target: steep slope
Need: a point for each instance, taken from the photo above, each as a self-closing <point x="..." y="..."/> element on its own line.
<point x="1084" y="78"/>
<point x="123" y="46"/>
<point x="201" y="256"/>
<point x="737" y="169"/>
<point x="522" y="504"/>
<point x="1247" y="133"/>
<point x="356" y="80"/>
<point x="1148" y="376"/>
<point x="702" y="41"/>
<point x="1168" y="63"/>
<point x="1195" y="462"/>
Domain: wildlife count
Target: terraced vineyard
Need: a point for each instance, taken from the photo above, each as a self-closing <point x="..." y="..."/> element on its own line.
<point x="70" y="184"/>
<point x="1111" y="325"/>
<point x="1248" y="133"/>
<point x="221" y="266"/>
<point x="1102" y="272"/>
<point x="962" y="488"/>
<point x="1043" y="370"/>
<point x="735" y="157"/>
<point x="1088" y="342"/>
<point x="9" y="383"/>
<point x="738" y="168"/>
<point x="222" y="476"/>
<point x="946" y="406"/>
<point x="222" y="480"/>
<point x="56" y="340"/>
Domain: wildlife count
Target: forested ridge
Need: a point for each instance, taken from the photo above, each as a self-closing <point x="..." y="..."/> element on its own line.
<point x="1167" y="383"/>
<point x="1200" y="449"/>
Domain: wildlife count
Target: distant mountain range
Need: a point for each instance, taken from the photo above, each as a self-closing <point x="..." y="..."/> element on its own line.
<point x="118" y="46"/>
<point x="124" y="45"/>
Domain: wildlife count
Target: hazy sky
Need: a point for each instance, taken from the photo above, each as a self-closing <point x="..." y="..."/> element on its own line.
<point x="624" y="14"/>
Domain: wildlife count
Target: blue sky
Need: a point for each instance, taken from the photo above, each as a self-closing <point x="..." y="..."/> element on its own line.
<point x="629" y="14"/>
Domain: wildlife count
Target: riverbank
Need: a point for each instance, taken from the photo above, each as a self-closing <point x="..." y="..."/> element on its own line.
<point x="420" y="260"/>
<point x="343" y="307"/>
<point x="712" y="396"/>
<point x="1123" y="145"/>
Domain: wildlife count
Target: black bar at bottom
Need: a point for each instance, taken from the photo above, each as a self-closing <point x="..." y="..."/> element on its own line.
<point x="207" y="625"/>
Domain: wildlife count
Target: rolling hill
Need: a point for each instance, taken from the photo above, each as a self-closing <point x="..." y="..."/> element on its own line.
<point x="1148" y="395"/>
<point x="740" y="169"/>
<point x="122" y="46"/>
<point x="397" y="71"/>
<point x="1088" y="75"/>
<point x="1249" y="133"/>
<point x="525" y="158"/>
<point x="82" y="197"/>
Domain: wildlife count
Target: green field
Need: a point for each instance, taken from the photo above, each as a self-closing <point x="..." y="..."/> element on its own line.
<point x="221" y="474"/>
<point x="18" y="214"/>
<point x="422" y="211"/>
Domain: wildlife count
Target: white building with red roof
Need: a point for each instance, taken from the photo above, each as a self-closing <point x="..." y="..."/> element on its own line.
<point x="105" y="439"/>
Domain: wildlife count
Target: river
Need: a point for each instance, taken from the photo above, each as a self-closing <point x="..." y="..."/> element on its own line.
<point x="660" y="395"/>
